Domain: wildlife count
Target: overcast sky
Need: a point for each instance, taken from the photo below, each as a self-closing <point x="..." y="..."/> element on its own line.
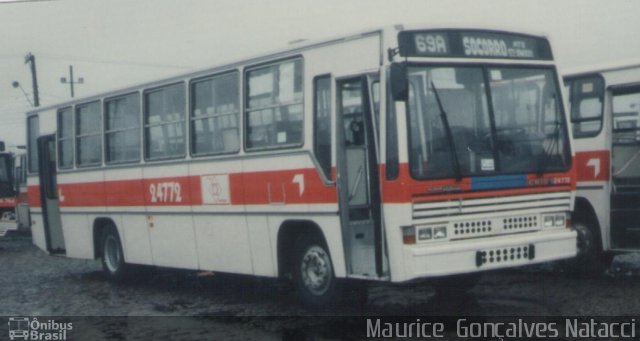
<point x="116" y="43"/>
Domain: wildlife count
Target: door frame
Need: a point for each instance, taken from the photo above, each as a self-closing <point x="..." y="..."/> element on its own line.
<point x="45" y="176"/>
<point x="373" y="181"/>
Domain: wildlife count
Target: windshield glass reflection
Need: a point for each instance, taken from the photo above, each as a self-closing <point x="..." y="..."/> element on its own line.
<point x="520" y="130"/>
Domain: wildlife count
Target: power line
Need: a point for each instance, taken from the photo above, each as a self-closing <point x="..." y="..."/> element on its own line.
<point x="17" y="1"/>
<point x="110" y="61"/>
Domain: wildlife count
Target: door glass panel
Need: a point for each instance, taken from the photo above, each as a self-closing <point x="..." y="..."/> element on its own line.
<point x="355" y="148"/>
<point x="52" y="192"/>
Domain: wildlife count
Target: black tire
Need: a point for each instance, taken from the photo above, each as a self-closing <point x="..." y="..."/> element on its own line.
<point x="456" y="284"/>
<point x="591" y="260"/>
<point x="313" y="276"/>
<point x="113" y="262"/>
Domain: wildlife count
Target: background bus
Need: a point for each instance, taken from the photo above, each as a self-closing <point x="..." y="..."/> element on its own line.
<point x="14" y="207"/>
<point x="389" y="155"/>
<point x="605" y="113"/>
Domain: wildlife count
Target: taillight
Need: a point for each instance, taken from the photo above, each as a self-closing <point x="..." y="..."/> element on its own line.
<point x="408" y="234"/>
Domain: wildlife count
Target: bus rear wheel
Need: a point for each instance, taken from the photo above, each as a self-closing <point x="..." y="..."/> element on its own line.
<point x="113" y="262"/>
<point x="313" y="276"/>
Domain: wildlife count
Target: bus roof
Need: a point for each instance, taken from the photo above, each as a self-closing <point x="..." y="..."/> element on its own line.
<point x="294" y="47"/>
<point x="619" y="65"/>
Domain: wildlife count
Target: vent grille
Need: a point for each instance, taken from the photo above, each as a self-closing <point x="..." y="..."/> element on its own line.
<point x="513" y="254"/>
<point x="556" y="201"/>
<point x="520" y="223"/>
<point x="472" y="228"/>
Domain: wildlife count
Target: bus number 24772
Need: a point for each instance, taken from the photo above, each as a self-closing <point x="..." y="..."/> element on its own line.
<point x="165" y="192"/>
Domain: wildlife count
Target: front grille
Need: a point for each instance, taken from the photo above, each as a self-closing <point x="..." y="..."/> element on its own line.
<point x="520" y="223"/>
<point x="513" y="254"/>
<point x="502" y="205"/>
<point x="484" y="217"/>
<point x="474" y="227"/>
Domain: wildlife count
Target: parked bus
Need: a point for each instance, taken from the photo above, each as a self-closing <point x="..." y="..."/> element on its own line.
<point x="14" y="206"/>
<point x="7" y="192"/>
<point x="605" y="113"/>
<point x="389" y="155"/>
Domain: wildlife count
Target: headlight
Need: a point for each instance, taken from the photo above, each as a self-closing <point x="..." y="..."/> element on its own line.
<point x="440" y="232"/>
<point x="425" y="233"/>
<point x="555" y="220"/>
<point x="411" y="234"/>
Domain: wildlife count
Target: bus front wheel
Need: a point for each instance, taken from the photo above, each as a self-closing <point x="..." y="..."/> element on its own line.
<point x="591" y="259"/>
<point x="313" y="275"/>
<point x="113" y="262"/>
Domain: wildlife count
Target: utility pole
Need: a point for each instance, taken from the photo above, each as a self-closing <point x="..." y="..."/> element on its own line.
<point x="71" y="81"/>
<point x="29" y="58"/>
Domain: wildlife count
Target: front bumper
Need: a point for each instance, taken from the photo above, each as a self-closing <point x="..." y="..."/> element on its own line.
<point x="480" y="254"/>
<point x="6" y="226"/>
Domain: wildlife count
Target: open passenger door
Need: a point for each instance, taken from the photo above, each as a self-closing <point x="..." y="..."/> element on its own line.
<point x="49" y="194"/>
<point x="358" y="178"/>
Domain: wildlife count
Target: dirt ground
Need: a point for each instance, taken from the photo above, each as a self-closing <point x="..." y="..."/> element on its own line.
<point x="187" y="304"/>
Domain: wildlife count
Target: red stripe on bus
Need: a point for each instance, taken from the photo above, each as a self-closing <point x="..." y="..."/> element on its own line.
<point x="7" y="202"/>
<point x="34" y="196"/>
<point x="296" y="186"/>
<point x="593" y="165"/>
<point x="299" y="186"/>
<point x="406" y="189"/>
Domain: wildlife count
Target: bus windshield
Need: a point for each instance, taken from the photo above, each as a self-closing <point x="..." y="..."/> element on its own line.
<point x="5" y="168"/>
<point x="6" y="179"/>
<point x="503" y="120"/>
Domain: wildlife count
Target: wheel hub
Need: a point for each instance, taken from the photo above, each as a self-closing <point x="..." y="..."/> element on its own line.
<point x="316" y="270"/>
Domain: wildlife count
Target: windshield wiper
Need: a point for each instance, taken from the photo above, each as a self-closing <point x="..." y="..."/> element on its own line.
<point x="445" y="123"/>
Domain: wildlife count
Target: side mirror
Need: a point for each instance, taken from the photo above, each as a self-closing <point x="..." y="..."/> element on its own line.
<point x="398" y="82"/>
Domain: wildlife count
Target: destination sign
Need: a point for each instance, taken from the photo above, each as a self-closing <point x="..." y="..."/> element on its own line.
<point x="472" y="44"/>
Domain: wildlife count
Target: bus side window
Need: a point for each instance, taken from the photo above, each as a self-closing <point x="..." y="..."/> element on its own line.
<point x="122" y="129"/>
<point x="214" y="115"/>
<point x="65" y="138"/>
<point x="88" y="134"/>
<point x="33" y="130"/>
<point x="164" y="122"/>
<point x="586" y="98"/>
<point x="274" y="109"/>
<point x="322" y="123"/>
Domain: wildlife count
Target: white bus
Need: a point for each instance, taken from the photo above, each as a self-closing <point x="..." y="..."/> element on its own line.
<point x="7" y="192"/>
<point x="14" y="203"/>
<point x="605" y="114"/>
<point x="388" y="155"/>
